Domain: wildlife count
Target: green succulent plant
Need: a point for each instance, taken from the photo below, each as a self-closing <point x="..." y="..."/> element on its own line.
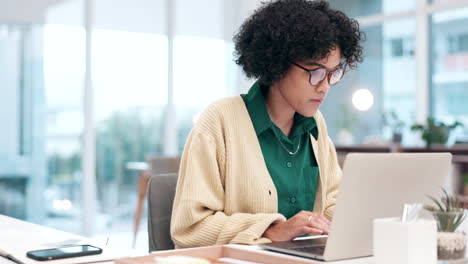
<point x="434" y="131"/>
<point x="448" y="212"/>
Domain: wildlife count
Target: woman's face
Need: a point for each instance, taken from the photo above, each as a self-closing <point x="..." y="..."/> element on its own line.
<point x="299" y="93"/>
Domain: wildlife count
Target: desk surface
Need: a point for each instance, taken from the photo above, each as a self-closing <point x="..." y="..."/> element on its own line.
<point x="17" y="237"/>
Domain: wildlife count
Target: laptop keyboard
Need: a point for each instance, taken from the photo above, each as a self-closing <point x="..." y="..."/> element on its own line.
<point x="316" y="250"/>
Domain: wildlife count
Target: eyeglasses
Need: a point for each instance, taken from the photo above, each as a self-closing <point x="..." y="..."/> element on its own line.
<point x="319" y="74"/>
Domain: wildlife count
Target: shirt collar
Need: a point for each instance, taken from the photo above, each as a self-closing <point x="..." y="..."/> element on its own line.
<point x="255" y="102"/>
<point x="303" y="125"/>
<point x="256" y="106"/>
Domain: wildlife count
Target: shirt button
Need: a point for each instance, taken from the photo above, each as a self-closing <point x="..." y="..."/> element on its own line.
<point x="289" y="164"/>
<point x="293" y="199"/>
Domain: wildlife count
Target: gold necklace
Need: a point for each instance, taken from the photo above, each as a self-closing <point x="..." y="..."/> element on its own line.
<point x="290" y="152"/>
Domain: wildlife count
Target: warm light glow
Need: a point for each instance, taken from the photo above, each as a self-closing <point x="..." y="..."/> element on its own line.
<point x="66" y="205"/>
<point x="363" y="99"/>
<point x="62" y="205"/>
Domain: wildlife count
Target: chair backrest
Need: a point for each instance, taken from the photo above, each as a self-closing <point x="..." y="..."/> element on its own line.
<point x="161" y="193"/>
<point x="163" y="165"/>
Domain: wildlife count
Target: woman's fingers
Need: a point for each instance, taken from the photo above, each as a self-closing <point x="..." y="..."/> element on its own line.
<point x="324" y="228"/>
<point x="317" y="221"/>
<point x="323" y="218"/>
<point x="304" y="222"/>
<point x="309" y="215"/>
<point x="326" y="220"/>
<point x="312" y="231"/>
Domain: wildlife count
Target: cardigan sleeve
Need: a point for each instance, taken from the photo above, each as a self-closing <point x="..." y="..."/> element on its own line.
<point x="331" y="168"/>
<point x="198" y="217"/>
<point x="333" y="181"/>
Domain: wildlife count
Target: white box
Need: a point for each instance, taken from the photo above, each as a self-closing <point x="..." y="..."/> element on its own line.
<point x="413" y="242"/>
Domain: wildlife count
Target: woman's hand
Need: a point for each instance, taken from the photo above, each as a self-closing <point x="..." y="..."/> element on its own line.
<point x="304" y="222"/>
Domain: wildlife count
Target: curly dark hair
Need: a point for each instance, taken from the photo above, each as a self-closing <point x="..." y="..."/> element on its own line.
<point x="284" y="31"/>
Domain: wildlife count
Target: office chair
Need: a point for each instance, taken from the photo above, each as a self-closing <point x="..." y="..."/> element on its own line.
<point x="157" y="166"/>
<point x="161" y="193"/>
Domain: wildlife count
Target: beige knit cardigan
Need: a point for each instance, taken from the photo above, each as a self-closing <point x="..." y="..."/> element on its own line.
<point x="224" y="192"/>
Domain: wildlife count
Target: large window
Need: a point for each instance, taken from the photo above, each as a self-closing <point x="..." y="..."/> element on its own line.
<point x="450" y="65"/>
<point x="145" y="94"/>
<point x="399" y="73"/>
<point x="397" y="64"/>
<point x="130" y="84"/>
<point x="41" y="80"/>
<point x="388" y="72"/>
<point x="64" y="45"/>
<point x="22" y="113"/>
<point x="203" y="61"/>
<point x="200" y="79"/>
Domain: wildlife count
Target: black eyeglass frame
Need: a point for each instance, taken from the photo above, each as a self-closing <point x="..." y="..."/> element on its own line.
<point x="328" y="74"/>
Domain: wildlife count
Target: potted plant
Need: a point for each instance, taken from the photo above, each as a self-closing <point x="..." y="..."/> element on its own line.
<point x="449" y="215"/>
<point x="434" y="131"/>
<point x="392" y="120"/>
<point x="344" y="125"/>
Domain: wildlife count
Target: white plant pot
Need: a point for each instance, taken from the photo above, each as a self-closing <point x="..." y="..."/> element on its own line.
<point x="451" y="245"/>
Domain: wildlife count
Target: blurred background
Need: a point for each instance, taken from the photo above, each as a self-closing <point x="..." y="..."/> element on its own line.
<point x="90" y="89"/>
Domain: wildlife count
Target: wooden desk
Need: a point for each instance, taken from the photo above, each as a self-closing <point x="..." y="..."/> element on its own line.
<point x="17" y="237"/>
<point x="247" y="253"/>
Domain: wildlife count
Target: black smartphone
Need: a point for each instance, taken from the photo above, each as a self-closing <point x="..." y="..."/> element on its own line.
<point x="64" y="252"/>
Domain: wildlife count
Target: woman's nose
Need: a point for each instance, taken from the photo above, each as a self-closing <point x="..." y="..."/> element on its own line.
<point x="323" y="86"/>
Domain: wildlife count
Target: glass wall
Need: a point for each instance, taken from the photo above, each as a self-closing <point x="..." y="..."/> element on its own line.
<point x="64" y="45"/>
<point x="399" y="79"/>
<point x="388" y="72"/>
<point x="196" y="82"/>
<point x="130" y="84"/>
<point x="389" y="69"/>
<point x="129" y="106"/>
<point x="22" y="112"/>
<point x="203" y="62"/>
<point x="449" y="51"/>
<point x="42" y="78"/>
<point x="64" y="67"/>
<point x="41" y="72"/>
<point x="42" y="81"/>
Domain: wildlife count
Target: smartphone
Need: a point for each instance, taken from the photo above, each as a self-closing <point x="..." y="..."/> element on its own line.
<point x="64" y="252"/>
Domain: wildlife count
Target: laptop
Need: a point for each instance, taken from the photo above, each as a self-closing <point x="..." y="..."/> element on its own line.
<point x="372" y="186"/>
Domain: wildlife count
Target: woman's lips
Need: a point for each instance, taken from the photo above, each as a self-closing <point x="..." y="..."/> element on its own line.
<point x="317" y="100"/>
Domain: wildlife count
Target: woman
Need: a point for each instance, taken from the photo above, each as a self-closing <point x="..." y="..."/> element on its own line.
<point x="260" y="167"/>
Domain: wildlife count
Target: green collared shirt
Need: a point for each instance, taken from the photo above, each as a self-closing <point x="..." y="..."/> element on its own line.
<point x="295" y="175"/>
